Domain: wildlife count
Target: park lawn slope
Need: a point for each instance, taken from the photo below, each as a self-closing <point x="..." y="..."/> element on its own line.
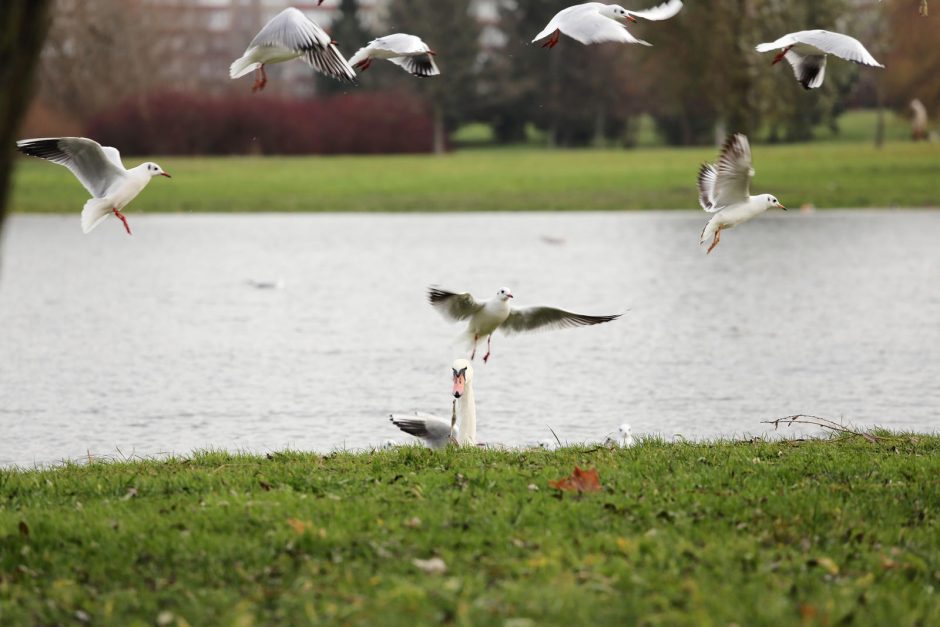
<point x="826" y="175"/>
<point x="821" y="532"/>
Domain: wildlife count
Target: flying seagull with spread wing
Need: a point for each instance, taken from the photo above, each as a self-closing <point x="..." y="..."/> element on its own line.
<point x="725" y="190"/>
<point x="596" y="22"/>
<point x="484" y="317"/>
<point x="807" y="51"/>
<point x="100" y="170"/>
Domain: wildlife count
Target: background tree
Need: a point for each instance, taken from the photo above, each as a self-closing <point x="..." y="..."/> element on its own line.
<point x="23" y="27"/>
<point x="451" y="30"/>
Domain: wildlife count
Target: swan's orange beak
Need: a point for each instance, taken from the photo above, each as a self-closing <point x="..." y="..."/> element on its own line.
<point x="460" y="379"/>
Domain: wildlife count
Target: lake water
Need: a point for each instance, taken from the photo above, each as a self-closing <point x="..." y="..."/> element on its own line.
<point x="160" y="343"/>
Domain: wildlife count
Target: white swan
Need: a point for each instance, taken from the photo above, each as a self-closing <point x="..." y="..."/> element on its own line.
<point x="437" y="432"/>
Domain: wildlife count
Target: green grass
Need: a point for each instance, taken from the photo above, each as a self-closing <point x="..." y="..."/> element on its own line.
<point x="822" y="174"/>
<point x="818" y="532"/>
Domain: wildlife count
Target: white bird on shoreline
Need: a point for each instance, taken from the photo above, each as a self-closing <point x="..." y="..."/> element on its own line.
<point x="406" y="51"/>
<point x="100" y="170"/>
<point x="596" y="22"/>
<point x="438" y="432"/>
<point x="291" y="34"/>
<point x="624" y="437"/>
<point x="725" y="190"/>
<point x="806" y="51"/>
<point x="487" y="316"/>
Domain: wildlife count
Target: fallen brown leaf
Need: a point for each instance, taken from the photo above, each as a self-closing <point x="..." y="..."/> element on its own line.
<point x="580" y="481"/>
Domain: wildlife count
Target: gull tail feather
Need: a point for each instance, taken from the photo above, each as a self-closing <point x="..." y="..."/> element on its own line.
<point x="709" y="231"/>
<point x="96" y="210"/>
<point x="242" y="66"/>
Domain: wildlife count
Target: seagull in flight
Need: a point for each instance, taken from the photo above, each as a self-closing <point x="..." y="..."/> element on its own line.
<point x="291" y="34"/>
<point x="100" y="170"/>
<point x="596" y="22"/>
<point x="807" y="50"/>
<point x="483" y="318"/>
<point x="725" y="190"/>
<point x="407" y="51"/>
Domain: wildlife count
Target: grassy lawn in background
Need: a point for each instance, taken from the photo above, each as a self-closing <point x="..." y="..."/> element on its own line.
<point x="820" y="532"/>
<point x="823" y="174"/>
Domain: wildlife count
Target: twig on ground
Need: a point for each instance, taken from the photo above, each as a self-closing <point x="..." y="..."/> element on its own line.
<point x="825" y="423"/>
<point x="556" y="437"/>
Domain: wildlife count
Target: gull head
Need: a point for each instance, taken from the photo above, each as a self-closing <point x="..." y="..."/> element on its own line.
<point x="504" y="293"/>
<point x="772" y="202"/>
<point x="154" y="170"/>
<point x="617" y="13"/>
<point x="463" y="375"/>
<point x="625" y="430"/>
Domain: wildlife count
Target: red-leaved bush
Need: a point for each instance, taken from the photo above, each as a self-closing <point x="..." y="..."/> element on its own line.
<point x="178" y="123"/>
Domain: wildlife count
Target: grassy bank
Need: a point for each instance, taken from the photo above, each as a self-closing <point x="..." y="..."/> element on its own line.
<point x="821" y="532"/>
<point x="823" y="174"/>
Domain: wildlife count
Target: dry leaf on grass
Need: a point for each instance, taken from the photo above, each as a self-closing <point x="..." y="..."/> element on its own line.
<point x="580" y="481"/>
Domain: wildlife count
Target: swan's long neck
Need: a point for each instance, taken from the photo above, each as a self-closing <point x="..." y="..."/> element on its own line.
<point x="467" y="418"/>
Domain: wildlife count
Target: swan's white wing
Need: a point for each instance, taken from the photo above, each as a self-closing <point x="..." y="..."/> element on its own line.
<point x="84" y="157"/>
<point x="532" y="318"/>
<point x="842" y="46"/>
<point x="662" y="11"/>
<point x="420" y="65"/>
<point x="733" y="180"/>
<point x="292" y="30"/>
<point x="453" y="306"/>
<point x="810" y="70"/>
<point x="707" y="176"/>
<point x="435" y="431"/>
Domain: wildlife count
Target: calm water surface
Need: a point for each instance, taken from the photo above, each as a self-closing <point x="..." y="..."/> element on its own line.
<point x="159" y="343"/>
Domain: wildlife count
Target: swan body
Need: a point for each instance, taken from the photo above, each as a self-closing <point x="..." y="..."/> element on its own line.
<point x="436" y="432"/>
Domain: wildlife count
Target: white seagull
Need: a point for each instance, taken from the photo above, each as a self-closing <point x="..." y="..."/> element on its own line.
<point x="406" y="51"/>
<point x="100" y="170"/>
<point x="596" y="22"/>
<point x="438" y="432"/>
<point x="806" y="51"/>
<point x="624" y="439"/>
<point x="725" y="190"/>
<point x="291" y="34"/>
<point x="496" y="313"/>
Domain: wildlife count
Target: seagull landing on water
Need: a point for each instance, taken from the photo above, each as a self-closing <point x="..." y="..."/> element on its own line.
<point x="496" y="313"/>
<point x="406" y="51"/>
<point x="291" y="34"/>
<point x="100" y="170"/>
<point x="596" y="22"/>
<point x="725" y="190"/>
<point x="806" y="51"/>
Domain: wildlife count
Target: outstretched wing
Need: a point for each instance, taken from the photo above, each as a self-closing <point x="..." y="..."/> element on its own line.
<point x="707" y="175"/>
<point x="87" y="160"/>
<point x="734" y="172"/>
<point x="292" y="30"/>
<point x="842" y="46"/>
<point x="662" y="11"/>
<point x="453" y="306"/>
<point x="585" y="24"/>
<point x="422" y="65"/>
<point x="532" y="318"/>
<point x="810" y="70"/>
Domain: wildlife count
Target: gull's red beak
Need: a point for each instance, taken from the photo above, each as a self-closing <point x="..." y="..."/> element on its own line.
<point x="459" y="380"/>
<point x="509" y="296"/>
<point x="779" y="206"/>
<point x="166" y="175"/>
<point x="432" y="53"/>
<point x="631" y="18"/>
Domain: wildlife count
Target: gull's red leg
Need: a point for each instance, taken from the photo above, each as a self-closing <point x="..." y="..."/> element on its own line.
<point x="715" y="242"/>
<point x="780" y="55"/>
<point x="123" y="219"/>
<point x="489" y="338"/>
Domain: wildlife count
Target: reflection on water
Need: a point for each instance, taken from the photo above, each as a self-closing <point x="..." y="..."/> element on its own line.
<point x="260" y="332"/>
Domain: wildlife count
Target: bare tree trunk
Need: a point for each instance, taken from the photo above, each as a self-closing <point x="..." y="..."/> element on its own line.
<point x="440" y="132"/>
<point x="23" y="27"/>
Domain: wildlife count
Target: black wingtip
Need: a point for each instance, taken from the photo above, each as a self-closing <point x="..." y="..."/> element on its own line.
<point x="42" y="148"/>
